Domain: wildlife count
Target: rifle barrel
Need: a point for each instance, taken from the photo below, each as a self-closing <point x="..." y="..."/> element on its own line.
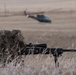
<point x="69" y="50"/>
<point x="58" y="50"/>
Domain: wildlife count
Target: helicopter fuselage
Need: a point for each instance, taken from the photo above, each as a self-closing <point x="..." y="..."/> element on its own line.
<point x="41" y="18"/>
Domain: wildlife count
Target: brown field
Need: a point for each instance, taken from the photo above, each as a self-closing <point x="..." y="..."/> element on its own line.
<point x="60" y="33"/>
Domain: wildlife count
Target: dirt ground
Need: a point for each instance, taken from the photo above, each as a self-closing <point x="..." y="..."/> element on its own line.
<point x="59" y="33"/>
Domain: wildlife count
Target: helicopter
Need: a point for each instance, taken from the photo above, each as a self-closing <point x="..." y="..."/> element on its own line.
<point x="39" y="17"/>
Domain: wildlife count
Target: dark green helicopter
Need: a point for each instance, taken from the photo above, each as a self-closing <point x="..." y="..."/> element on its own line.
<point x="39" y="17"/>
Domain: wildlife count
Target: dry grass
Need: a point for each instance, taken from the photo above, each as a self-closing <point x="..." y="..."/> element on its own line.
<point x="44" y="64"/>
<point x="40" y="65"/>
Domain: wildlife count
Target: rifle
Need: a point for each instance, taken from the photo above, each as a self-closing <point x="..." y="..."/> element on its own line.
<point x="42" y="49"/>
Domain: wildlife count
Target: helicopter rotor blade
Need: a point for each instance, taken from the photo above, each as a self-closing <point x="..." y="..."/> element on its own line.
<point x="20" y="13"/>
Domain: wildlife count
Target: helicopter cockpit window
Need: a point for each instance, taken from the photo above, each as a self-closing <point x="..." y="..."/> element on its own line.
<point x="40" y="15"/>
